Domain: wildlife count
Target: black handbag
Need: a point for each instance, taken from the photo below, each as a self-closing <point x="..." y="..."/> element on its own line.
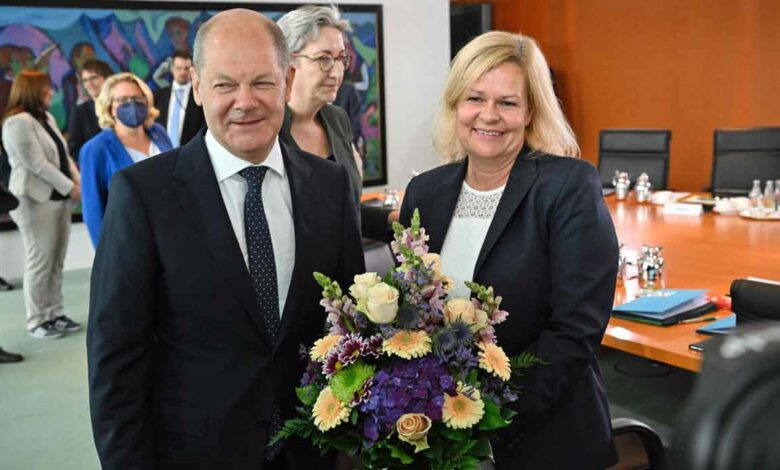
<point x="755" y="301"/>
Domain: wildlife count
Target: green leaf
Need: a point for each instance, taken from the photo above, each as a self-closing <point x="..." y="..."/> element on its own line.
<point x="492" y="419"/>
<point x="400" y="454"/>
<point x="471" y="378"/>
<point x="349" y="380"/>
<point x="469" y="463"/>
<point x="523" y="361"/>
<point x="483" y="450"/>
<point x="308" y="394"/>
<point x="292" y="427"/>
<point x="353" y="416"/>
<point x="457" y="435"/>
<point x="508" y="414"/>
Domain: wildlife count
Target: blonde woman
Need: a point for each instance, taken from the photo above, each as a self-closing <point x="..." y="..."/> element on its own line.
<point x="516" y="210"/>
<point x="126" y="112"/>
<point x="43" y="178"/>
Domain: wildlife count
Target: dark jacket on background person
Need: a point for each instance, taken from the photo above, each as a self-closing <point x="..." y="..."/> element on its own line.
<point x="194" y="120"/>
<point x="83" y="125"/>
<point x="551" y="253"/>
<point x="373" y="220"/>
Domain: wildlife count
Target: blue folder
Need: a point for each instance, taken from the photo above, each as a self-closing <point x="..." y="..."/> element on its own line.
<point x="663" y="302"/>
<point x="723" y="326"/>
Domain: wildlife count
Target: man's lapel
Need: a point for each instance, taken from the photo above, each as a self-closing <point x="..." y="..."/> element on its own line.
<point x="197" y="190"/>
<point x="304" y="204"/>
<point x="521" y="178"/>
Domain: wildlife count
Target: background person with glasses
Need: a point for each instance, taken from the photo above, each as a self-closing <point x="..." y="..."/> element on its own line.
<point x="126" y="112"/>
<point x="83" y="123"/>
<point x="315" y="38"/>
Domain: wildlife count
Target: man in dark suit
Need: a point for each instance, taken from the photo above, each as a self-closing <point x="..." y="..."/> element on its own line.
<point x="83" y="123"/>
<point x="179" y="113"/>
<point x="202" y="286"/>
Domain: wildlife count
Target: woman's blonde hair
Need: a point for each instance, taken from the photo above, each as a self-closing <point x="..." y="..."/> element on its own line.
<point x="106" y="97"/>
<point x="548" y="130"/>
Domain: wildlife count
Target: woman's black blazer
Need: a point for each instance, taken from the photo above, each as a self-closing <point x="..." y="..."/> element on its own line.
<point x="552" y="253"/>
<point x="373" y="220"/>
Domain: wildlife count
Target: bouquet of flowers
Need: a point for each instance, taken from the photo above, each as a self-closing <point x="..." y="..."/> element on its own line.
<point x="407" y="376"/>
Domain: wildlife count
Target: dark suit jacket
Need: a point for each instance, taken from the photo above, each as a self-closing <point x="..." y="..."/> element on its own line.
<point x="83" y="125"/>
<point x="551" y="252"/>
<point x="194" y="120"/>
<point x="181" y="369"/>
<point x="336" y="123"/>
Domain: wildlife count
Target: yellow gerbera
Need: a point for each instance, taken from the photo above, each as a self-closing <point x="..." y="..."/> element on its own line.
<point x="408" y="344"/>
<point x="461" y="411"/>
<point x="329" y="411"/>
<point x="494" y="360"/>
<point x="323" y="346"/>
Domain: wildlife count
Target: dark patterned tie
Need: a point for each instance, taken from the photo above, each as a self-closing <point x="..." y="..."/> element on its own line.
<point x="262" y="267"/>
<point x="262" y="270"/>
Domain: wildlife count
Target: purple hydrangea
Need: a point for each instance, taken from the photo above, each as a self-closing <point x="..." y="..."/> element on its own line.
<point x="400" y="387"/>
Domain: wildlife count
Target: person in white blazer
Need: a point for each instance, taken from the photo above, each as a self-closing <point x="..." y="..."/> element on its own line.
<point x="44" y="178"/>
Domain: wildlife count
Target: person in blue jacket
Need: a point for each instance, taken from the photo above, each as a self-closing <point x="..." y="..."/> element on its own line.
<point x="126" y="113"/>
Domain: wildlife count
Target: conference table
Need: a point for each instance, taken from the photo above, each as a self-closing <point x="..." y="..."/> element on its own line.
<point x="700" y="252"/>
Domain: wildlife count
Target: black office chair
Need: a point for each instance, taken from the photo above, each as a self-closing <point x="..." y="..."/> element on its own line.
<point x="731" y="419"/>
<point x="741" y="156"/>
<point x="635" y="151"/>
<point x="754" y="301"/>
<point x="639" y="447"/>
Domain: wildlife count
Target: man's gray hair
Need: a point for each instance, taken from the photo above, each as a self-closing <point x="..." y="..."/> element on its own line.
<point x="199" y="45"/>
<point x="303" y="24"/>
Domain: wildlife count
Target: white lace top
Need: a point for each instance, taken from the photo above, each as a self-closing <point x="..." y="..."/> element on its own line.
<point x="470" y="222"/>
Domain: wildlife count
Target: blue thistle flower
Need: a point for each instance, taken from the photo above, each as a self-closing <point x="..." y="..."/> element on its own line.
<point x="407" y="317"/>
<point x="461" y="332"/>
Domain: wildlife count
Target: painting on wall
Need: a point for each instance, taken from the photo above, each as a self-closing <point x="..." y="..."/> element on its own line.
<point x="57" y="36"/>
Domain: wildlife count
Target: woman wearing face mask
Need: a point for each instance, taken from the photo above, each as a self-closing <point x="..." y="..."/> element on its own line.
<point x="315" y="38"/>
<point x="43" y="178"/>
<point x="126" y="112"/>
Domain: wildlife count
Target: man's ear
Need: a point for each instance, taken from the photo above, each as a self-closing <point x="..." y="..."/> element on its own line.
<point x="288" y="85"/>
<point x="195" y="87"/>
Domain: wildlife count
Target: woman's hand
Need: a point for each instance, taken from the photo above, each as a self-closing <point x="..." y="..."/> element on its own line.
<point x="75" y="193"/>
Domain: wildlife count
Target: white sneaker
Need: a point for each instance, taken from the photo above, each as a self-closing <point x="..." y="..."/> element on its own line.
<point x="45" y="330"/>
<point x="65" y="324"/>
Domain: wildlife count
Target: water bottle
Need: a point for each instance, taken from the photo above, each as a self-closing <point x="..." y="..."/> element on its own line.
<point x="769" y="196"/>
<point x="755" y="195"/>
<point x="777" y="195"/>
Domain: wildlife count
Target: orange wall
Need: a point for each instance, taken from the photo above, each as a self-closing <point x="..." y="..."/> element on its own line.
<point x="687" y="65"/>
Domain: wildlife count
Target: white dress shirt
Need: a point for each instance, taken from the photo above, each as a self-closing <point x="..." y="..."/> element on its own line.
<point x="277" y="203"/>
<point x="173" y="102"/>
<point x="468" y="229"/>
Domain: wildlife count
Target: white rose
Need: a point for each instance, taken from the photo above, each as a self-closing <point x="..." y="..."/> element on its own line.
<point x="433" y="261"/>
<point x="363" y="282"/>
<point x="480" y="320"/>
<point x="382" y="303"/>
<point x="459" y="308"/>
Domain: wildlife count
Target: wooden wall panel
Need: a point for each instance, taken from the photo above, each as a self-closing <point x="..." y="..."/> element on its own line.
<point x="687" y="65"/>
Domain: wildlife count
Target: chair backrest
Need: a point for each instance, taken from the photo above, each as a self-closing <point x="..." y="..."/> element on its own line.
<point x="754" y="301"/>
<point x="731" y="419"/>
<point x="632" y="437"/>
<point x="741" y="156"/>
<point x="635" y="151"/>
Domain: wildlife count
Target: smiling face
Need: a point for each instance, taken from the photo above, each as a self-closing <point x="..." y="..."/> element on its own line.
<point x="311" y="83"/>
<point x="242" y="89"/>
<point x="492" y="115"/>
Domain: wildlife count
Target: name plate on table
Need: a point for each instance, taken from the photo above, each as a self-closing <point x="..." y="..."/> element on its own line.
<point x="678" y="208"/>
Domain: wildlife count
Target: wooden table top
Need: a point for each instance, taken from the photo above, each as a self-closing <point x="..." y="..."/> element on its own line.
<point x="705" y="252"/>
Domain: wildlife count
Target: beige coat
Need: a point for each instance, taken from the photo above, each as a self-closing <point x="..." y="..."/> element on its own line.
<point x="35" y="163"/>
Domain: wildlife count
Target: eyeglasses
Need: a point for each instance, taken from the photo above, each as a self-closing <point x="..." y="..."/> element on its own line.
<point x="326" y="62"/>
<point x="120" y="100"/>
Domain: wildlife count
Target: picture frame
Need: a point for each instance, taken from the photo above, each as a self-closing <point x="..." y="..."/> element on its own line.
<point x="137" y="36"/>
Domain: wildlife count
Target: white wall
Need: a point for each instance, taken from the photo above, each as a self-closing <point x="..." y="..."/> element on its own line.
<point x="416" y="60"/>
